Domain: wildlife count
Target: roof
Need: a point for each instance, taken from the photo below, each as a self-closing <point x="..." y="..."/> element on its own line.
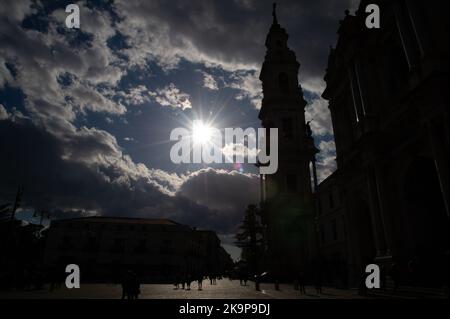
<point x="121" y="220"/>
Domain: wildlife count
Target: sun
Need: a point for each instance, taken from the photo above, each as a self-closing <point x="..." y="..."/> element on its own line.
<point x="201" y="132"/>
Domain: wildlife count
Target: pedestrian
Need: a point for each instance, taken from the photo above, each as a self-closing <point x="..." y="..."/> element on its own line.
<point x="301" y="281"/>
<point x="183" y="280"/>
<point x="362" y="289"/>
<point x="200" y="281"/>
<point x="383" y="278"/>
<point x="135" y="287"/>
<point x="188" y="282"/>
<point x="395" y="276"/>
<point x="245" y="279"/>
<point x="126" y="282"/>
<point x="318" y="280"/>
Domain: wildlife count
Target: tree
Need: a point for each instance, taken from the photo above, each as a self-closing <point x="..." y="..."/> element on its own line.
<point x="249" y="239"/>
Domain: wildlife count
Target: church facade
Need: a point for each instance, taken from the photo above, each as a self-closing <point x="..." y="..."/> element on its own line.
<point x="387" y="202"/>
<point x="387" y="97"/>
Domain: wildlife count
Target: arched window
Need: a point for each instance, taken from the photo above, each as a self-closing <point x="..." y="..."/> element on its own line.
<point x="283" y="81"/>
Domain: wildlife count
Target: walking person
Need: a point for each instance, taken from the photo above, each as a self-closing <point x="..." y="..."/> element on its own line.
<point x="200" y="281"/>
<point x="188" y="282"/>
<point x="245" y="278"/>
<point x="126" y="283"/>
<point x="362" y="289"/>
<point x="395" y="276"/>
<point x="301" y="282"/>
<point x="318" y="280"/>
<point x="183" y="280"/>
<point x="135" y="287"/>
<point x="177" y="282"/>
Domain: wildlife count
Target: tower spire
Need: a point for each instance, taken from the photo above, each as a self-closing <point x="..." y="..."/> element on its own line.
<point x="274" y="13"/>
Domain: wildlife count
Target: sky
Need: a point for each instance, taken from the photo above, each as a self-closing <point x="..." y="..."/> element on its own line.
<point x="86" y="114"/>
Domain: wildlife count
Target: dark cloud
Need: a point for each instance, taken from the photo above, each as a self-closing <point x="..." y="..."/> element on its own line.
<point x="226" y="192"/>
<point x="69" y="176"/>
<point x="229" y="34"/>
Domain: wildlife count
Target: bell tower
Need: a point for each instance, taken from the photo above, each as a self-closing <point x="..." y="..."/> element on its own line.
<point x="286" y="196"/>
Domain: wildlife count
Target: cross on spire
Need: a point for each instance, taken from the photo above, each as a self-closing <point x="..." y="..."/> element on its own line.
<point x="274" y="13"/>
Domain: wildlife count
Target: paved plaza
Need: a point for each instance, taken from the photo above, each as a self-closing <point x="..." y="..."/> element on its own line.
<point x="225" y="289"/>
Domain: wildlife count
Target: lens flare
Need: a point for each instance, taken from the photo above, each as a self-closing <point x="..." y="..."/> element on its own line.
<point x="201" y="132"/>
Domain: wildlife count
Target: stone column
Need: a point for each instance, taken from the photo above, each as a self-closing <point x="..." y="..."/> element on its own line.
<point x="352" y="239"/>
<point x="385" y="219"/>
<point x="377" y="225"/>
<point x="314" y="168"/>
<point x="361" y="81"/>
<point x="418" y="26"/>
<point x="406" y="36"/>
<point x="440" y="154"/>
<point x="261" y="189"/>
<point x="355" y="94"/>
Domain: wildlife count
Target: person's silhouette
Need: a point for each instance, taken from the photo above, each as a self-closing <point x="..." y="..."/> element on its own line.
<point x="200" y="281"/>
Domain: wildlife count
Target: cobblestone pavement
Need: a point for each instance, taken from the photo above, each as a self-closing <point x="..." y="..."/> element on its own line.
<point x="225" y="289"/>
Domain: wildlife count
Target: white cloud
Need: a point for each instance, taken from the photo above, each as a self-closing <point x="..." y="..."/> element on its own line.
<point x="209" y="82"/>
<point x="3" y="113"/>
<point x="249" y="86"/>
<point x="87" y="97"/>
<point x="172" y="96"/>
<point x="238" y="149"/>
<point x="5" y="75"/>
<point x="137" y="95"/>
<point x="16" y="10"/>
<point x="318" y="113"/>
<point x="313" y="85"/>
<point x="40" y="59"/>
<point x="326" y="160"/>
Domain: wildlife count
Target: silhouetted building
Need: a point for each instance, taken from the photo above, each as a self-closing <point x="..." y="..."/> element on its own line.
<point x="156" y="249"/>
<point x="387" y="92"/>
<point x="388" y="200"/>
<point x="286" y="203"/>
<point x="21" y="250"/>
<point x="331" y="231"/>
